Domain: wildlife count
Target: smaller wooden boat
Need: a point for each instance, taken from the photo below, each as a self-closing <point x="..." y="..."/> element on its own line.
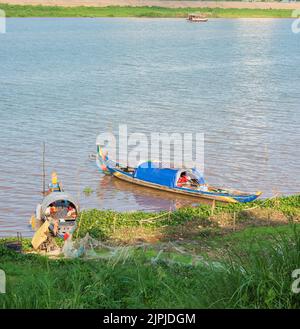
<point x="189" y="182"/>
<point x="61" y="210"/>
<point x="56" y="214"/>
<point x="197" y="18"/>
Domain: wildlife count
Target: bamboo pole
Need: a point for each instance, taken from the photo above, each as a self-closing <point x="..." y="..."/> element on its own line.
<point x="213" y="207"/>
<point x="44" y="170"/>
<point x="234" y="219"/>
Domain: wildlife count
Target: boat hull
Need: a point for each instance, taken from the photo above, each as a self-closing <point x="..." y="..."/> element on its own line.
<point x="198" y="20"/>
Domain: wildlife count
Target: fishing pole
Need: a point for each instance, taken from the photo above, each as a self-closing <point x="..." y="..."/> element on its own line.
<point x="44" y="170"/>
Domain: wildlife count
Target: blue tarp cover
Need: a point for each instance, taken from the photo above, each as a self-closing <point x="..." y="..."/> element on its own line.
<point x="150" y="172"/>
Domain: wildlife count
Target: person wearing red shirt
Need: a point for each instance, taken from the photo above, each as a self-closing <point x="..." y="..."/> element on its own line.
<point x="183" y="179"/>
<point x="71" y="212"/>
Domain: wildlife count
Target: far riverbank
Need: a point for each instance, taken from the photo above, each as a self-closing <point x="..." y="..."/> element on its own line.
<point x="86" y="9"/>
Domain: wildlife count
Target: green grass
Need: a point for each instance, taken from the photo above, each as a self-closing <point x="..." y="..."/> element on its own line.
<point x="261" y="279"/>
<point x="210" y="266"/>
<point x="102" y="224"/>
<point x="116" y="11"/>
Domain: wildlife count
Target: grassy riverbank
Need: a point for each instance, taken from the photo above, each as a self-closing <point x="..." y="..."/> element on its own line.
<point x="116" y="11"/>
<point x="256" y="274"/>
<point x="235" y="256"/>
<point x="188" y="222"/>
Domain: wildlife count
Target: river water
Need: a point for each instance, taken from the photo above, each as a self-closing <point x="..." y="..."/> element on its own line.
<point x="64" y="81"/>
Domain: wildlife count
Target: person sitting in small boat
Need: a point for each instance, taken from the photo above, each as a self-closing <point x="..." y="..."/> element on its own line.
<point x="183" y="179"/>
<point x="71" y="212"/>
<point x="54" y="186"/>
<point x="51" y="210"/>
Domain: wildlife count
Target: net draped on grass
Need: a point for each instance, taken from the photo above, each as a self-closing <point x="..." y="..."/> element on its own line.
<point x="139" y="277"/>
<point x="220" y="264"/>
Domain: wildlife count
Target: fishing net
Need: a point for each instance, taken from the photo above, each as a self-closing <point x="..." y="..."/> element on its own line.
<point x="91" y="248"/>
<point x="168" y="253"/>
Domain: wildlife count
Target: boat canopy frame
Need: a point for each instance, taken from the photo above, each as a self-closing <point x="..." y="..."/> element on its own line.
<point x="193" y="173"/>
<point x="58" y="196"/>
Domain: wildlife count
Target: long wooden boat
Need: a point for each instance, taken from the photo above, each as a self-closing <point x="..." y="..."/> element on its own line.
<point x="150" y="174"/>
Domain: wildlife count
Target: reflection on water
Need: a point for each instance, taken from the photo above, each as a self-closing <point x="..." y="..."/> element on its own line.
<point x="139" y="197"/>
<point x="66" y="80"/>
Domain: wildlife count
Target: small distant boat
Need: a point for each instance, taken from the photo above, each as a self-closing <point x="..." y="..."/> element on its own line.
<point x="197" y="18"/>
<point x="189" y="182"/>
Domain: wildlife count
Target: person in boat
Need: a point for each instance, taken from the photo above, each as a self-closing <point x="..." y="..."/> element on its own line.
<point x="55" y="185"/>
<point x="51" y="210"/>
<point x="183" y="179"/>
<point x="71" y="212"/>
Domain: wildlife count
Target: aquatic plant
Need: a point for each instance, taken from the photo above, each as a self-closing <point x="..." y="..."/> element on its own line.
<point x="104" y="224"/>
<point x="88" y="191"/>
